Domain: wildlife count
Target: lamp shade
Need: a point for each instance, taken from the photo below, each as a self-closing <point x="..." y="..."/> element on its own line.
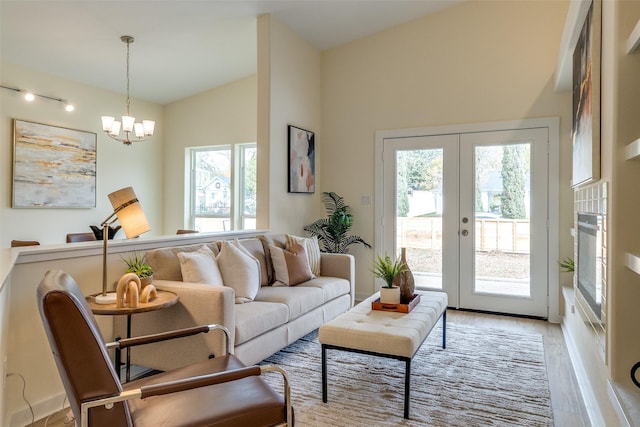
<point x="129" y="211"/>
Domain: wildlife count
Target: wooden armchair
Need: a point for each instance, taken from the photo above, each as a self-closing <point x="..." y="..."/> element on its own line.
<point x="20" y="243"/>
<point x="217" y="392"/>
<point x="181" y="231"/>
<point x="80" y="237"/>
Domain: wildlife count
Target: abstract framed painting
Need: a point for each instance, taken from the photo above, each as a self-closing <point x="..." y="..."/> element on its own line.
<point x="53" y="167"/>
<point x="302" y="172"/>
<point x="586" y="99"/>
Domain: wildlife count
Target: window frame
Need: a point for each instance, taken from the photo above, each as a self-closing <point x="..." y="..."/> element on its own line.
<point x="237" y="219"/>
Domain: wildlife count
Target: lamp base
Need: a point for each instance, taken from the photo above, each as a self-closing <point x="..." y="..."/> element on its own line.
<point x="109" y="298"/>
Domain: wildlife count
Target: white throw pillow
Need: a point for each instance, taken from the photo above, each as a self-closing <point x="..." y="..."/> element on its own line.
<point x="239" y="271"/>
<point x="200" y="267"/>
<point x="291" y="267"/>
<point x="311" y="246"/>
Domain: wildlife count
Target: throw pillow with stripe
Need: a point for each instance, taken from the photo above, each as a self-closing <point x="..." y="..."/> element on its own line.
<point x="312" y="248"/>
<point x="291" y="267"/>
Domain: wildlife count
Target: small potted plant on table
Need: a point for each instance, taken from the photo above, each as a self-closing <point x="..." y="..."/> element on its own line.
<point x="137" y="264"/>
<point x="387" y="269"/>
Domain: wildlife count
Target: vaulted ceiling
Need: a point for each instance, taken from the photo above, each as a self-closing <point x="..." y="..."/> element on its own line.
<point x="182" y="47"/>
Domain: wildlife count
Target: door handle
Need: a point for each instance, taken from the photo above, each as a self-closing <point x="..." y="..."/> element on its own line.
<point x="465" y="232"/>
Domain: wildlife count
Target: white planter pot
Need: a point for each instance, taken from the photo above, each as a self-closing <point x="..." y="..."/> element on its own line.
<point x="390" y="295"/>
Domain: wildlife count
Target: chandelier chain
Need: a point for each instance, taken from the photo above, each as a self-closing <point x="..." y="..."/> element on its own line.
<point x="128" y="41"/>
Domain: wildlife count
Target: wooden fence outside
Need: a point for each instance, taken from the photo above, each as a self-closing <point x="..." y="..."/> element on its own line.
<point x="491" y="234"/>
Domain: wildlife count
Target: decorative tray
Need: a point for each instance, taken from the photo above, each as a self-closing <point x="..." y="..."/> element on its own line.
<point x="399" y="308"/>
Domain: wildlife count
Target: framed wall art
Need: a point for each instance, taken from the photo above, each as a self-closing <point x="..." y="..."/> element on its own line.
<point x="53" y="167"/>
<point x="302" y="172"/>
<point x="586" y="99"/>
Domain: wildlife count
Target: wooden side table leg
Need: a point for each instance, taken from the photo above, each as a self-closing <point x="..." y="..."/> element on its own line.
<point x="407" y="387"/>
<point x="324" y="374"/>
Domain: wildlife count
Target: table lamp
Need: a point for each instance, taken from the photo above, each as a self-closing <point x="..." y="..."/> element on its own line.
<point x="127" y="210"/>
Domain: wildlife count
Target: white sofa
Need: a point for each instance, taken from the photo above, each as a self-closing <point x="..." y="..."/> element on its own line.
<point x="277" y="317"/>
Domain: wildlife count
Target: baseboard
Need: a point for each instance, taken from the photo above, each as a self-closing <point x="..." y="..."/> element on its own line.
<point x="590" y="401"/>
<point x="40" y="410"/>
<point x="626" y="402"/>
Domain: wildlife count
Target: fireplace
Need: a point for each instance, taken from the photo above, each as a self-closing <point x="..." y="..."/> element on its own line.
<point x="589" y="261"/>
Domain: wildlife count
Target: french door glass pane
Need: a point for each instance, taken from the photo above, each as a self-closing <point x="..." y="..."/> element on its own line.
<point x="419" y="205"/>
<point x="502" y="219"/>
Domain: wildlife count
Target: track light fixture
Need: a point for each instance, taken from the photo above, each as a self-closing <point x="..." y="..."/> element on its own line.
<point x="30" y="97"/>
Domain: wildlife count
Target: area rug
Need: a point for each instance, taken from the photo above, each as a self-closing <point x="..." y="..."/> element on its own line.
<point x="485" y="377"/>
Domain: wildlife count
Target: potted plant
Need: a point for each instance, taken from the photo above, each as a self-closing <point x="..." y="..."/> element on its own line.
<point x="387" y="269"/>
<point x="567" y="265"/>
<point x="332" y="231"/>
<point x="137" y="264"/>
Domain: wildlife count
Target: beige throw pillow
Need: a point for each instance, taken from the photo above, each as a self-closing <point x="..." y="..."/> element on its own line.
<point x="291" y="267"/>
<point x="200" y="267"/>
<point x="313" y="250"/>
<point x="239" y="271"/>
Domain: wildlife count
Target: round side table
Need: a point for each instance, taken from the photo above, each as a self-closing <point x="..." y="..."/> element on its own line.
<point x="163" y="300"/>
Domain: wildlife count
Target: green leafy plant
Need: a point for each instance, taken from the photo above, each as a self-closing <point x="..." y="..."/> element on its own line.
<point x="387" y="269"/>
<point x="137" y="264"/>
<point x="332" y="231"/>
<point x="567" y="265"/>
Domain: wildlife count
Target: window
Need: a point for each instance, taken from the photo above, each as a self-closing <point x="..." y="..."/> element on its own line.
<point x="223" y="187"/>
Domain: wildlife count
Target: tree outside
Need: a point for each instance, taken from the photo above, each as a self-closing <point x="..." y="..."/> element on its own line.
<point x="513" y="181"/>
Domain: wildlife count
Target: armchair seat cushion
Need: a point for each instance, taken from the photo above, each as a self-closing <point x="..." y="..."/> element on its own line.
<point x="225" y="403"/>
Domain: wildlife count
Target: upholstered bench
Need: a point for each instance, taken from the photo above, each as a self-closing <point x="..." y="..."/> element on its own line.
<point x="383" y="333"/>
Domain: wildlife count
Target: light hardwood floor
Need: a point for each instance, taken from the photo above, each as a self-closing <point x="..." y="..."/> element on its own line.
<point x="568" y="408"/>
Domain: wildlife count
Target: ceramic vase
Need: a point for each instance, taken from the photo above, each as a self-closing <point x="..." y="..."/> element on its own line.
<point x="145" y="281"/>
<point x="405" y="280"/>
<point x="390" y="295"/>
<point x="97" y="231"/>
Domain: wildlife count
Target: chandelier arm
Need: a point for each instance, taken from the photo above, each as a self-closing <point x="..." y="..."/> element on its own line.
<point x="126" y="140"/>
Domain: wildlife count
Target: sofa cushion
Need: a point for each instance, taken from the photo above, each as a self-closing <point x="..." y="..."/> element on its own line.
<point x="256" y="318"/>
<point x="299" y="300"/>
<point x="165" y="262"/>
<point x="271" y="239"/>
<point x="290" y="267"/>
<point x="332" y="287"/>
<point x="311" y="246"/>
<point x="240" y="271"/>
<point x="256" y="249"/>
<point x="200" y="267"/>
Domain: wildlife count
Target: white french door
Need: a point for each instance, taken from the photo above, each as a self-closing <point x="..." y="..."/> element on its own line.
<point x="471" y="209"/>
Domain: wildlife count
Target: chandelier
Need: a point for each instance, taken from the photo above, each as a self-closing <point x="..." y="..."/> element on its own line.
<point x="132" y="131"/>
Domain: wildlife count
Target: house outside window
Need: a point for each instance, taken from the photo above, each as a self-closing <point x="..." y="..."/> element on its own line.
<point x="222" y="187"/>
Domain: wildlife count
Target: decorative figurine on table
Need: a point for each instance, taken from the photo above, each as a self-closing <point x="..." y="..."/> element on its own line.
<point x="130" y="291"/>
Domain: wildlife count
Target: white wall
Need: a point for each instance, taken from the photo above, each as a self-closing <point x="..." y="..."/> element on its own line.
<point x="224" y="115"/>
<point x="4" y="338"/>
<point x="138" y="165"/>
<point x="289" y="94"/>
<point x="621" y="105"/>
<point x="28" y="352"/>
<point x="475" y="62"/>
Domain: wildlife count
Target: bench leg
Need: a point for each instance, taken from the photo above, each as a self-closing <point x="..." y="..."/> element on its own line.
<point x="324" y="374"/>
<point x="407" y="387"/>
<point x="444" y="328"/>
